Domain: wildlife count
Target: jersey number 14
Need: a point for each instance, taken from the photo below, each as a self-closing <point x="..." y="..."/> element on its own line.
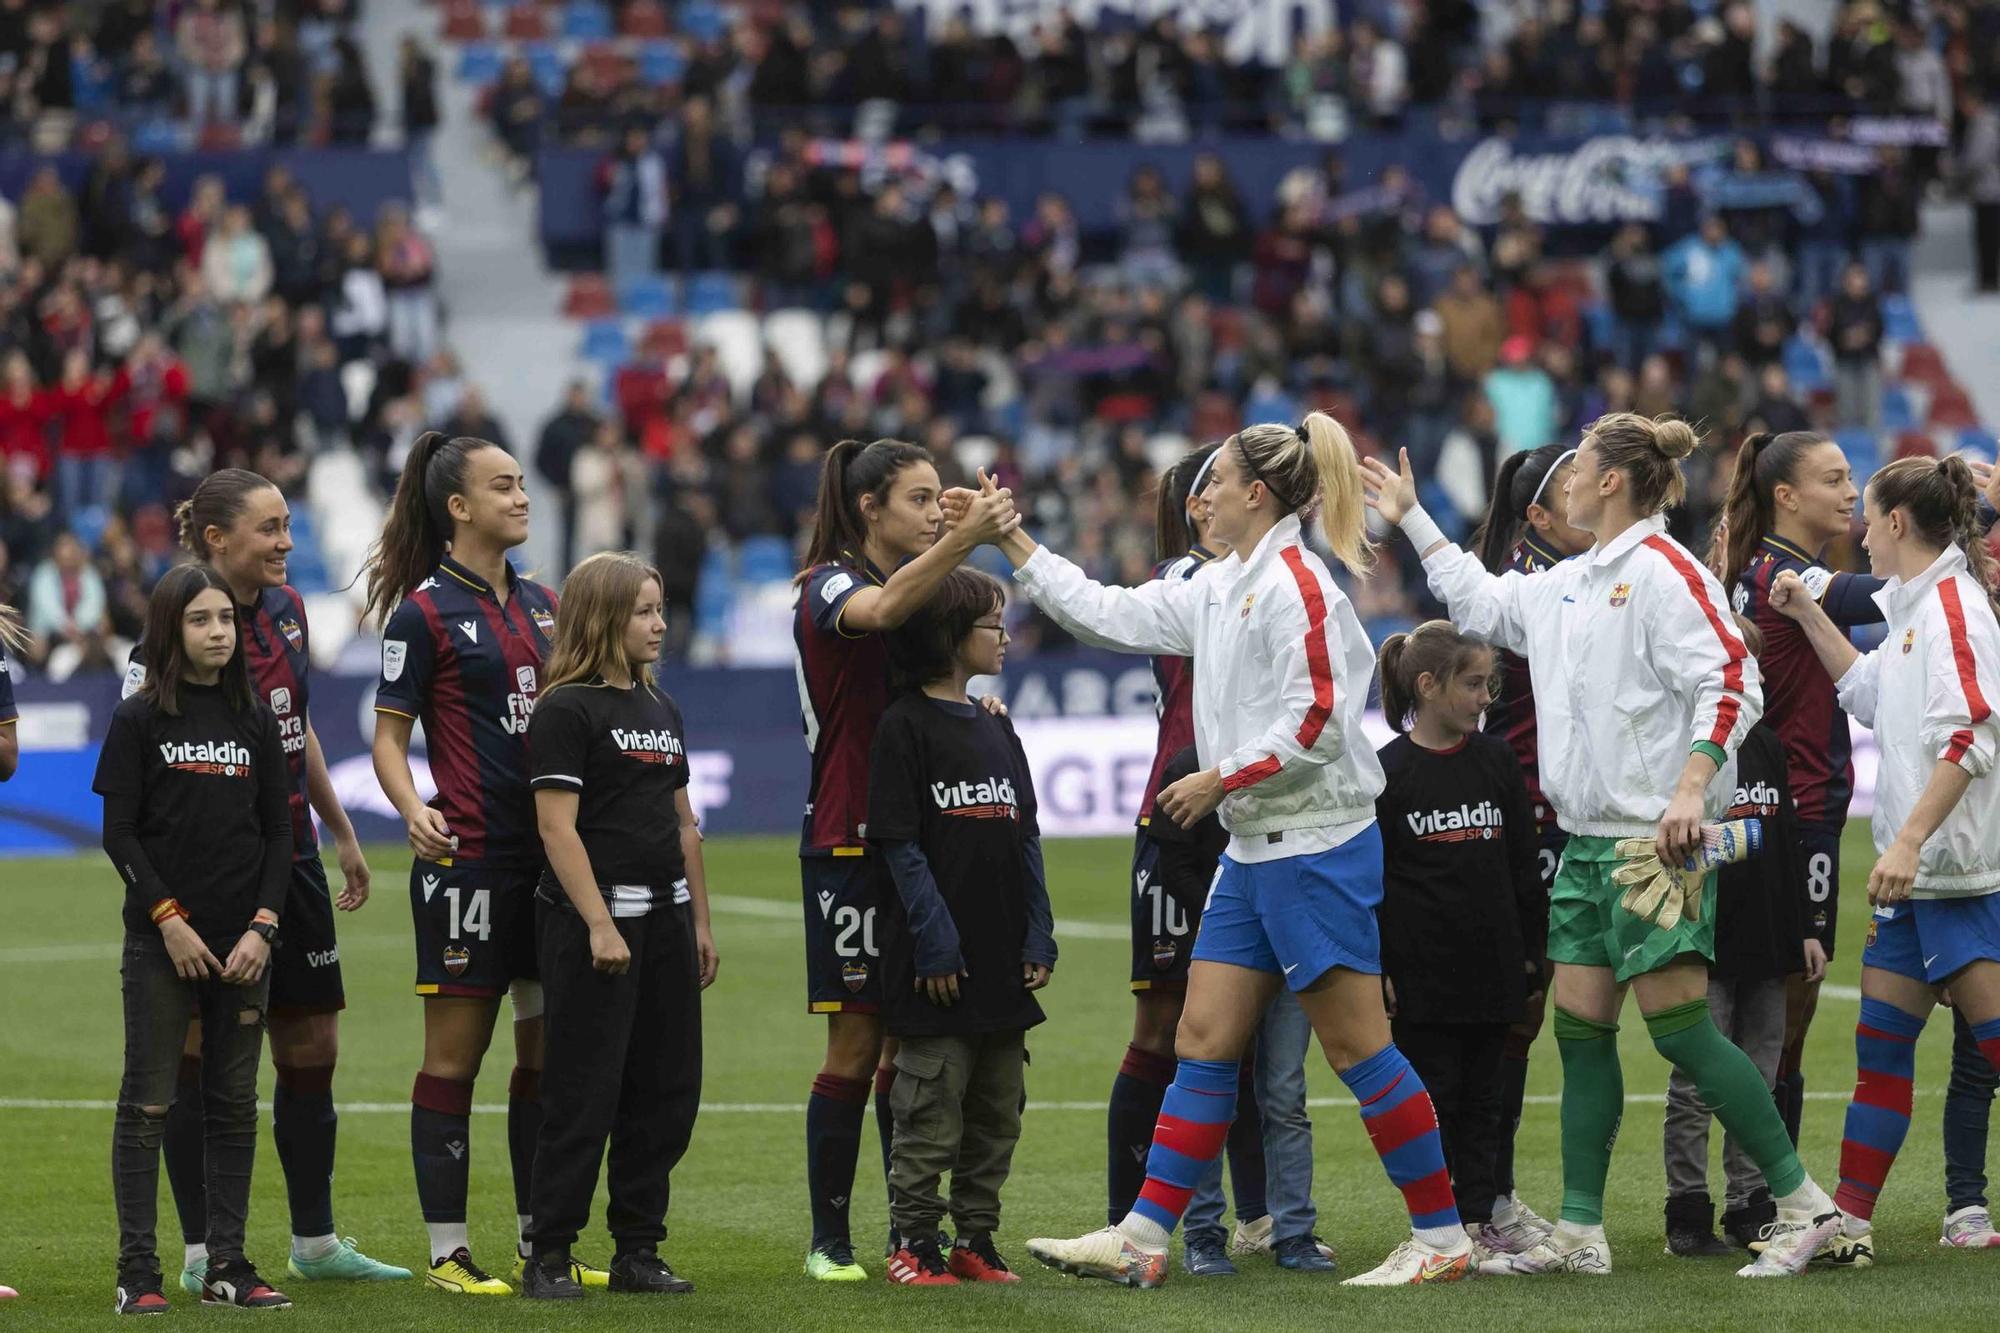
<point x="476" y="920"/>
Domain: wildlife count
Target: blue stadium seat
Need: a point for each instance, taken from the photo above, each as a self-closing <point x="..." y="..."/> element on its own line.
<point x="648" y="298"/>
<point x="158" y="136"/>
<point x="1897" y="411"/>
<point x="764" y="560"/>
<point x="305" y="569"/>
<point x="660" y="62"/>
<point x="703" y="20"/>
<point x="713" y="594"/>
<point x="1899" y="319"/>
<point x="1858" y="444"/>
<point x="710" y="292"/>
<point x="1977" y="440"/>
<point x="587" y="22"/>
<point x="1272" y="405"/>
<point x="1597" y="317"/>
<point x="479" y="63"/>
<point x="604" y="340"/>
<point x="88" y="523"/>
<point x="551" y="70"/>
<point x="1803" y="365"/>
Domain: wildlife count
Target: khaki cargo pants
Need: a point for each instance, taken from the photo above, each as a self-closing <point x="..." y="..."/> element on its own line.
<point x="957" y="1103"/>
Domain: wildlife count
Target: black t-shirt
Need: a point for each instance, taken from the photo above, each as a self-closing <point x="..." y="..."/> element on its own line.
<point x="1188" y="856"/>
<point x="952" y="779"/>
<point x="623" y="752"/>
<point x="197" y="808"/>
<point x="1760" y="908"/>
<point x="1462" y="902"/>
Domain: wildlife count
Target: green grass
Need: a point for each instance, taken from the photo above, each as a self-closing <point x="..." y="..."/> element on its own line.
<point x="739" y="1219"/>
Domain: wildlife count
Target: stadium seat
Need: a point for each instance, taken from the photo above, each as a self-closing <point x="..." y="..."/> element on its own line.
<point x="644" y="18"/>
<point x="702" y="20"/>
<point x="587" y="22"/>
<point x="664" y="338"/>
<point x="604" y="341"/>
<point x="1860" y="446"/>
<point x="589" y="297"/>
<point x="661" y="62"/>
<point x="710" y="292"/>
<point x="88" y="523"/>
<point x="1914" y="444"/>
<point x="797" y="338"/>
<point x="527" y="23"/>
<point x="648" y="297"/>
<point x="1897" y="412"/>
<point x="764" y="559"/>
<point x="1803" y="365"/>
<point x="712" y="593"/>
<point x="739" y="346"/>
<point x="1977" y="441"/>
<point x="479" y="63"/>
<point x="1899" y="319"/>
<point x="1597" y="317"/>
<point x="551" y="71"/>
<point x="1923" y="363"/>
<point x="464" y="21"/>
<point x="1951" y="409"/>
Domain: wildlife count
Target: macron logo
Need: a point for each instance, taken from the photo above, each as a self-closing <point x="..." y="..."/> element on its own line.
<point x="1465" y="824"/>
<point x="651" y="747"/>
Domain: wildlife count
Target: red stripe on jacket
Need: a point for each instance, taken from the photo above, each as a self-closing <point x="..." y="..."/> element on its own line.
<point x="1961" y="653"/>
<point x="1317" y="664"/>
<point x="1726" y="711"/>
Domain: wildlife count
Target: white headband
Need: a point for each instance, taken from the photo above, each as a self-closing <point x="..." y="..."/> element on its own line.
<point x="1200" y="476"/>
<point x="1561" y="458"/>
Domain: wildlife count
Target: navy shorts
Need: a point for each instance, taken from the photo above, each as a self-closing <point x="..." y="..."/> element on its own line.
<point x="842" y="895"/>
<point x="1820" y="852"/>
<point x="1298" y="916"/>
<point x="1931" y="939"/>
<point x="475" y="927"/>
<point x="305" y="970"/>
<point x="1164" y="924"/>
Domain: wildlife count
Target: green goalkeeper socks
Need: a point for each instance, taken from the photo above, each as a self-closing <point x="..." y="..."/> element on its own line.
<point x="1593" y="1102"/>
<point x="1730" y="1086"/>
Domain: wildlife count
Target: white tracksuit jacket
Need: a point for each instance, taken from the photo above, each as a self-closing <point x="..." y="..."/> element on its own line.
<point x="1281" y="673"/>
<point x="1634" y="660"/>
<point x="1927" y="694"/>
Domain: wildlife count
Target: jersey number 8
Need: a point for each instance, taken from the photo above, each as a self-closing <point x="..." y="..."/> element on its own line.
<point x="1819" y="877"/>
<point x="477" y="918"/>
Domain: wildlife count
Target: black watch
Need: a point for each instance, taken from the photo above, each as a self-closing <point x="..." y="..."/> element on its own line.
<point x="267" y="929"/>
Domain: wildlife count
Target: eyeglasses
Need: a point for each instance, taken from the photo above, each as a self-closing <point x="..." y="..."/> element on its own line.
<point x="1001" y="630"/>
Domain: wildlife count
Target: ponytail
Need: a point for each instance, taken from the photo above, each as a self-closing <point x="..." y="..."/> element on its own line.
<point x="217" y="503"/>
<point x="1521" y="483"/>
<point x="1436" y="648"/>
<point x="851" y="470"/>
<point x="418" y="531"/>
<point x="1173" y="530"/>
<point x="1942" y="500"/>
<point x="1764" y="462"/>
<point x="1312" y="469"/>
<point x="13" y="634"/>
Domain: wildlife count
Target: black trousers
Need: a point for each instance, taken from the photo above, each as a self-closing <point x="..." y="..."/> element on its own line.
<point x="1460" y="1065"/>
<point x="158" y="1005"/>
<point x="623" y="1063"/>
<point x="1986" y="244"/>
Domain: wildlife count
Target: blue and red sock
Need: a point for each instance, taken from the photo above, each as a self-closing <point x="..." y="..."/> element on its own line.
<point x="1194" y="1122"/>
<point x="1987" y="1034"/>
<point x="1878" y="1119"/>
<point x="1403" y="1126"/>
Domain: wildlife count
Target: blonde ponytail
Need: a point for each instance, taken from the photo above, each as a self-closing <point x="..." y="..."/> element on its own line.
<point x="1343" y="515"/>
<point x="13" y="634"/>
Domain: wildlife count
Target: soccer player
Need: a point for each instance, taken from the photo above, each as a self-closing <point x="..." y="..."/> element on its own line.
<point x="1526" y="529"/>
<point x="879" y="550"/>
<point x="1759" y="945"/>
<point x="1281" y="677"/>
<point x="1642" y="692"/>
<point x="968" y="936"/>
<point x="1464" y="918"/>
<point x="239" y="524"/>
<point x="623" y="931"/>
<point x="197" y="821"/>
<point x="1935" y="887"/>
<point x="463" y="644"/>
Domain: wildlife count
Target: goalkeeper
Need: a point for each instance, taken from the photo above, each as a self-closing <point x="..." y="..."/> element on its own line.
<point x="1643" y="692"/>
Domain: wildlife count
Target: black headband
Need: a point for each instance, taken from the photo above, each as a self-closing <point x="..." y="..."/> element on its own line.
<point x="1257" y="473"/>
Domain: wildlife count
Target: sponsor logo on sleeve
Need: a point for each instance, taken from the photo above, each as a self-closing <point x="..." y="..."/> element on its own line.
<point x="135" y="678"/>
<point x="394" y="653"/>
<point x="830" y="591"/>
<point x="281" y="700"/>
<point x="1817" y="581"/>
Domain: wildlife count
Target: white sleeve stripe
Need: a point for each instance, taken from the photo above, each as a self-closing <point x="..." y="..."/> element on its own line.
<point x="559" y="777"/>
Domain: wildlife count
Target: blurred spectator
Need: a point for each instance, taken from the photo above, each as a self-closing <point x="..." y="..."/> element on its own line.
<point x="145" y="82"/>
<point x="1763" y="319"/>
<point x="1215" y="232"/>
<point x="236" y="263"/>
<point x="408" y="268"/>
<point x="704" y="186"/>
<point x="1148" y="219"/>
<point x="1523" y="398"/>
<point x="1474" y="326"/>
<point x="563" y="436"/>
<point x="210" y="40"/>
<point x="634" y="185"/>
<point x="416" y="79"/>
<point x="1979" y="163"/>
<point x="360" y="317"/>
<point x="606" y="482"/>
<point x="79" y="407"/>
<point x="473" y="419"/>
<point x="67" y="613"/>
<point x="350" y="95"/>
<point x="1638" y="294"/>
<point x="1777" y="409"/>
<point x="1888" y="209"/>
<point x="1703" y="273"/>
<point x="1854" y="327"/>
<point x="47" y="230"/>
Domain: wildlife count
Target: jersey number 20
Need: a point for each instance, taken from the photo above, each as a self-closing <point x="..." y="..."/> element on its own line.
<point x="853" y="921"/>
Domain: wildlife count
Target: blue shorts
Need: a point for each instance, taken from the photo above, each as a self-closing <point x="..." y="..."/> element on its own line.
<point x="1298" y="916"/>
<point x="1930" y="939"/>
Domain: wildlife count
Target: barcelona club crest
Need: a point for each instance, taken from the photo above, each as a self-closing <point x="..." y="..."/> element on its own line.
<point x="1909" y="640"/>
<point x="456" y="960"/>
<point x="293" y="634"/>
<point x="1621" y="593"/>
<point x="854" y="976"/>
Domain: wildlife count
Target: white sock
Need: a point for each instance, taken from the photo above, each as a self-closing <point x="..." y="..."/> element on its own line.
<point x="1444" y="1240"/>
<point x="521" y="1223"/>
<point x="1808" y="1198"/>
<point x="1504" y="1209"/>
<point x="446" y="1237"/>
<point x="1144" y="1232"/>
<point x="314" y="1247"/>
<point x="1570" y="1235"/>
<point x="196" y="1254"/>
<point x="1857" y="1227"/>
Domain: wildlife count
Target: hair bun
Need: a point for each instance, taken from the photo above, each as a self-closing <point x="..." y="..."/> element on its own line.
<point x="1674" y="437"/>
<point x="184" y="525"/>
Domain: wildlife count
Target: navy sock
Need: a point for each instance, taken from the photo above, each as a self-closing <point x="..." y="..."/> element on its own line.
<point x="833" y="1145"/>
<point x="441" y="1145"/>
<point x="524" y="1128"/>
<point x="303" y="1124"/>
<point x="1245" y="1147"/>
<point x="1791" y="1095"/>
<point x="185" y="1148"/>
<point x="1513" y="1095"/>
<point x="885" y="1119"/>
<point x="1136" y="1094"/>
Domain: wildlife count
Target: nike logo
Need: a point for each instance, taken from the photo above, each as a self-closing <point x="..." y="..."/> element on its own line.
<point x="1634" y="949"/>
<point x="470" y="629"/>
<point x="1932" y="959"/>
<point x="1288" y="971"/>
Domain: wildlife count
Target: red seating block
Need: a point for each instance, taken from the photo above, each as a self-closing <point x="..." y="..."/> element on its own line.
<point x="644" y="18"/>
<point x="1951" y="409"/>
<point x="527" y="23"/>
<point x="590" y="297"/>
<point x="1922" y="363"/>
<point x="1915" y="444"/>
<point x="464" y="21"/>
<point x="663" y="338"/>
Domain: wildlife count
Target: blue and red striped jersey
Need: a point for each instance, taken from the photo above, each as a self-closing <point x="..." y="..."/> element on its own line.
<point x="1799" y="701"/>
<point x="1511" y="715"/>
<point x="464" y="660"/>
<point x="843" y="692"/>
<point x="7" y="710"/>
<point x="1173" y="679"/>
<point x="277" y="652"/>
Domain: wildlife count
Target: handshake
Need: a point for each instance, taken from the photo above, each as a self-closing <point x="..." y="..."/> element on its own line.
<point x="979" y="518"/>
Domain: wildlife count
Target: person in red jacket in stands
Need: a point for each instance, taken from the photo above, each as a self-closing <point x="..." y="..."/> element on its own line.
<point x="24" y="419"/>
<point x="157" y="387"/>
<point x="80" y="406"/>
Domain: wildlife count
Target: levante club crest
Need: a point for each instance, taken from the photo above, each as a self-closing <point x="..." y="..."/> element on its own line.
<point x="854" y="976"/>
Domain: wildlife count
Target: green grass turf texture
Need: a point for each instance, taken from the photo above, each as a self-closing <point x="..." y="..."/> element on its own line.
<point x="739" y="1221"/>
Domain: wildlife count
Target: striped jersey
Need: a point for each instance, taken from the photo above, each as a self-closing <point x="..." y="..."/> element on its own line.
<point x="463" y="659"/>
<point x="1173" y="681"/>
<point x="1511" y="715"/>
<point x="843" y="692"/>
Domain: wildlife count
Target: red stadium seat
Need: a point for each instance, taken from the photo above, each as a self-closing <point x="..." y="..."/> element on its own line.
<point x="664" y="338"/>
<point x="464" y="21"/>
<point x="1915" y="444"/>
<point x="1922" y="363"/>
<point x="589" y="297"/>
<point x="527" y="23"/>
<point x="1951" y="409"/>
<point x="644" y="18"/>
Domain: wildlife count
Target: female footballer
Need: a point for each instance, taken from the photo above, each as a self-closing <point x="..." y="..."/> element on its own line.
<point x="1642" y="692"/>
<point x="1926" y="692"/>
<point x="463" y="643"/>
<point x="879" y="549"/>
<point x="1281" y="676"/>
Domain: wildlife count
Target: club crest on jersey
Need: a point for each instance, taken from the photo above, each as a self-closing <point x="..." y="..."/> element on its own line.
<point x="281" y="700"/>
<point x="1621" y="593"/>
<point x="854" y="975"/>
<point x="1249" y="599"/>
<point x="1909" y="640"/>
<point x="294" y="635"/>
<point x="456" y="959"/>
<point x="1163" y="953"/>
<point x="544" y="622"/>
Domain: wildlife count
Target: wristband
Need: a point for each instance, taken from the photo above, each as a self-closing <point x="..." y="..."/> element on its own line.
<point x="1421" y="529"/>
<point x="165" y="908"/>
<point x="1712" y="750"/>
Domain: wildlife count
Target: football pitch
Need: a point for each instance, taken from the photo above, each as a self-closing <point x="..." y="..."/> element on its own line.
<point x="739" y="1225"/>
